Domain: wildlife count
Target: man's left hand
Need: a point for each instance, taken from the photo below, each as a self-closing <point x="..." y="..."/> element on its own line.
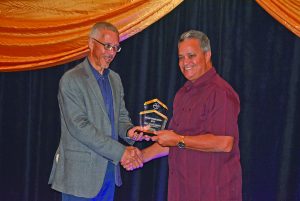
<point x="166" y="138"/>
<point x="136" y="133"/>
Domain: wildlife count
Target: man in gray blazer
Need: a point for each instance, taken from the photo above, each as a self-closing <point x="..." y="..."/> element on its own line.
<point x="93" y="115"/>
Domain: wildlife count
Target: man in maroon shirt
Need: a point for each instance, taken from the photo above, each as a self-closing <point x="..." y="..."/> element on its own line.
<point x="203" y="140"/>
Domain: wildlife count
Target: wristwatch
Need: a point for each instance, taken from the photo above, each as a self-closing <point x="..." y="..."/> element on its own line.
<point x="181" y="143"/>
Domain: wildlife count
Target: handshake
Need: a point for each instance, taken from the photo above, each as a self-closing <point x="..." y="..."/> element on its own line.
<point x="132" y="157"/>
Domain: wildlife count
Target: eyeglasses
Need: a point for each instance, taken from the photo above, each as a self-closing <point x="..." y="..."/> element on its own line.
<point x="109" y="47"/>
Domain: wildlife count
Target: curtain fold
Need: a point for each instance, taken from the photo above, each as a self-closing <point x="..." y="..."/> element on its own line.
<point x="287" y="12"/>
<point x="40" y="34"/>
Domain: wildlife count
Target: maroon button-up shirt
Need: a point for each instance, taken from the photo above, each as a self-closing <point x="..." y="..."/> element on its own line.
<point x="209" y="105"/>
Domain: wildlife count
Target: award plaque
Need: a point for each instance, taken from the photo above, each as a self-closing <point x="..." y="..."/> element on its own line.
<point x="154" y="115"/>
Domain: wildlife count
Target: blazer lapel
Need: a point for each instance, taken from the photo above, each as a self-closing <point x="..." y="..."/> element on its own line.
<point x="93" y="85"/>
<point x="116" y="97"/>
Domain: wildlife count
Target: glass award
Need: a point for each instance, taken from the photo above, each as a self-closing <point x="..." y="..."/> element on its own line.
<point x="154" y="115"/>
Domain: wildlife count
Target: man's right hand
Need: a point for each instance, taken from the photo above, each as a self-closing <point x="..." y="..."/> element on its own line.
<point x="132" y="158"/>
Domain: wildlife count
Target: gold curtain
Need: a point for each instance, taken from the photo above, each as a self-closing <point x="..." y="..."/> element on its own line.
<point x="36" y="34"/>
<point x="287" y="12"/>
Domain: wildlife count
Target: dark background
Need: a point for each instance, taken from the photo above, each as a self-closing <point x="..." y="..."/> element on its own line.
<point x="257" y="55"/>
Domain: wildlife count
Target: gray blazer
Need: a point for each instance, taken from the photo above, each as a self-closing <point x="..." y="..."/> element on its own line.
<point x="86" y="144"/>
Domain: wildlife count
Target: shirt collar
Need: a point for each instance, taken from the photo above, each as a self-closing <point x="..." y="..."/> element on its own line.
<point x="205" y="78"/>
<point x="97" y="74"/>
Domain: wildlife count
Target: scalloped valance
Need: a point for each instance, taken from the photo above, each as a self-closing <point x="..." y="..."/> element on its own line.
<point x="39" y="34"/>
<point x="287" y="12"/>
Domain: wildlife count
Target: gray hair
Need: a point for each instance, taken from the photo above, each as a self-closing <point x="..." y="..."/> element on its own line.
<point x="200" y="36"/>
<point x="102" y="26"/>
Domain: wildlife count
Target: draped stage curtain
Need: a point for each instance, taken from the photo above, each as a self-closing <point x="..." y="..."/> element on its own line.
<point x="287" y="12"/>
<point x="38" y="34"/>
<point x="255" y="53"/>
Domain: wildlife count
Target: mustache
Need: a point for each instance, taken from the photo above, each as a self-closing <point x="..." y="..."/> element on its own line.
<point x="109" y="56"/>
